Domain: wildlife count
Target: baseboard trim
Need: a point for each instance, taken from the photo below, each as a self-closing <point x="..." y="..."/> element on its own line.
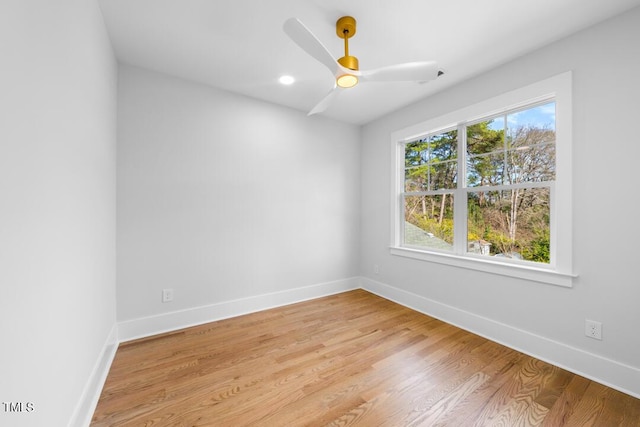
<point x="91" y="394"/>
<point x="167" y="322"/>
<point x="605" y="371"/>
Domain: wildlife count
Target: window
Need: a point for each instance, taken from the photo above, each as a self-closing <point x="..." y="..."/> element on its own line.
<point x="489" y="187"/>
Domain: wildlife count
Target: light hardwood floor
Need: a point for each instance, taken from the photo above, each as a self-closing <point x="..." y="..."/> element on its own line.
<point x="347" y="359"/>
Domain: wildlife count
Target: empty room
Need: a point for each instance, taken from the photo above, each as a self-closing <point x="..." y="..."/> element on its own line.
<point x="303" y="212"/>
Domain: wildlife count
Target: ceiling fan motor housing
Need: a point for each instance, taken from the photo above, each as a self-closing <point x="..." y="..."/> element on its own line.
<point x="350" y="62"/>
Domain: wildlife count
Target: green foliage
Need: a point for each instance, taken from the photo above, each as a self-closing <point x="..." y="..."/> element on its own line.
<point x="430" y="162"/>
<point x="538" y="248"/>
<point x="482" y="140"/>
<point x="443" y="230"/>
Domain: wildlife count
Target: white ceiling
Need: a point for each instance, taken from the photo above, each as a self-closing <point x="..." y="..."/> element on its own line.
<point x="239" y="45"/>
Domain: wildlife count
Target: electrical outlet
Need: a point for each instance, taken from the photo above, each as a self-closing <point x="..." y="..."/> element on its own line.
<point x="376" y="269"/>
<point x="593" y="329"/>
<point x="167" y="295"/>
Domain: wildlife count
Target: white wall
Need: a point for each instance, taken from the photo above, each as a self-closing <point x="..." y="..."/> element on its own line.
<point x="57" y="204"/>
<point x="605" y="61"/>
<point x="221" y="197"/>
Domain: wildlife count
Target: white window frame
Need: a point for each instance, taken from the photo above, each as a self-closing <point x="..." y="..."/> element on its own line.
<point x="560" y="270"/>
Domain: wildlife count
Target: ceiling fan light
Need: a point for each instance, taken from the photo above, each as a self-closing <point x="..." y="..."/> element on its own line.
<point x="347" y="80"/>
<point x="286" y="80"/>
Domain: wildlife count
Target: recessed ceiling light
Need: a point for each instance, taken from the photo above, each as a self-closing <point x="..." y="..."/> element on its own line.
<point x="286" y="80"/>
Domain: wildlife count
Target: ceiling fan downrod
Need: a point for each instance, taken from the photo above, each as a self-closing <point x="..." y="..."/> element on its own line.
<point x="345" y="29"/>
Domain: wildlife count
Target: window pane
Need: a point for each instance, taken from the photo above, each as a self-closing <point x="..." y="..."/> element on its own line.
<point x="430" y="163"/>
<point x="443" y="146"/>
<point x="428" y="221"/>
<point x="539" y="117"/>
<point x="443" y="175"/>
<point x="511" y="223"/>
<point x="416" y="179"/>
<point x="485" y="151"/>
<point x="416" y="153"/>
<point x="531" y="137"/>
<point x="485" y="169"/>
<point x="485" y="137"/>
<point x="534" y="163"/>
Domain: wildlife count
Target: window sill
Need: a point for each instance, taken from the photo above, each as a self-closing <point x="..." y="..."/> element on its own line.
<point x="519" y="271"/>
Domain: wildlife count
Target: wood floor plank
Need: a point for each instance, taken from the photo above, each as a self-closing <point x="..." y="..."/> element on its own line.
<point x="473" y="410"/>
<point x="351" y="359"/>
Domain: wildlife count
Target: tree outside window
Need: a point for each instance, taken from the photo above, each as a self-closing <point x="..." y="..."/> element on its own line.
<point x="509" y="166"/>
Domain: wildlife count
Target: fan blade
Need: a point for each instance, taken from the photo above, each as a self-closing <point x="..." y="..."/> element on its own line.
<point x="324" y="103"/>
<point x="304" y="38"/>
<point x="411" y="71"/>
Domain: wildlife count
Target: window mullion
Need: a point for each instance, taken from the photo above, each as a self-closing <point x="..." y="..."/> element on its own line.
<point x="397" y="228"/>
<point x="460" y="196"/>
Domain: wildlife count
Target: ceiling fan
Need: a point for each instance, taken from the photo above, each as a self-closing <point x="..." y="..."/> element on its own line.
<point x="346" y="69"/>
